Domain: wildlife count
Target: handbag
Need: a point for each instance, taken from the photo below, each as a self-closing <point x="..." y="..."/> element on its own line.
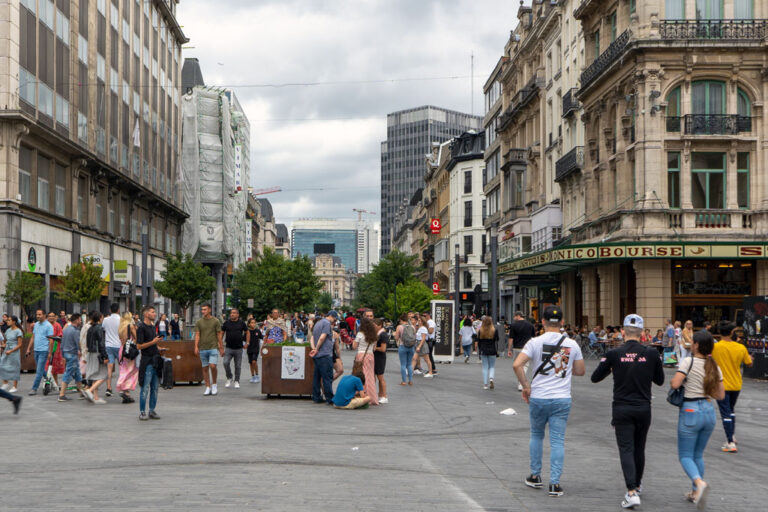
<point x="676" y="397"/>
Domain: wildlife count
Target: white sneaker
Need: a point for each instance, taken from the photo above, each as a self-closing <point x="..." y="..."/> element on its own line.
<point x="207" y="391"/>
<point x="228" y="383"/>
<point x="256" y="379"/>
<point x="428" y="375"/>
<point x="6" y="387"/>
<point x="237" y="385"/>
<point x="485" y="386"/>
<point x="383" y="400"/>
<point x="417" y="372"/>
<point x="13" y="390"/>
<point x="214" y="390"/>
<point x="630" y="501"/>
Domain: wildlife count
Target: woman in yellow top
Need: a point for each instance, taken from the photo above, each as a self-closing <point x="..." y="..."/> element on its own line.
<point x="686" y="340"/>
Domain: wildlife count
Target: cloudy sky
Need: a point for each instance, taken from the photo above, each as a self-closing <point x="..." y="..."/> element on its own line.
<point x="367" y="57"/>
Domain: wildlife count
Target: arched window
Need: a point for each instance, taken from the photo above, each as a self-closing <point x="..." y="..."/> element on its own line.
<point x="673" y="110"/>
<point x="708" y="97"/>
<point x="744" y="106"/>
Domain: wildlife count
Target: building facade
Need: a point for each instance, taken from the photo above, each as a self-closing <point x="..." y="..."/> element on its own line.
<point x="90" y="132"/>
<point x="352" y="241"/>
<point x="675" y="207"/>
<point x="335" y="278"/>
<point x="410" y="134"/>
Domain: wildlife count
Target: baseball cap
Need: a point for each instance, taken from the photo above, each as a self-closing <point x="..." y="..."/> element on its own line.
<point x="333" y="313"/>
<point x="553" y="313"/>
<point x="633" y="321"/>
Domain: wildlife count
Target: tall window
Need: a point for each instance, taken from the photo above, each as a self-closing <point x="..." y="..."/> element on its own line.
<point x="467" y="182"/>
<point x="709" y="9"/>
<point x="673" y="180"/>
<point x="743" y="9"/>
<point x="597" y="43"/>
<point x="742" y="183"/>
<point x="468" y="244"/>
<point x="675" y="9"/>
<point x="613" y="26"/>
<point x="25" y="177"/>
<point x="632" y="5"/>
<point x="708" y="97"/>
<point x="43" y="187"/>
<point x="673" y="110"/>
<point x="467" y="214"/>
<point x="467" y="279"/>
<point x="744" y="107"/>
<point x="708" y="180"/>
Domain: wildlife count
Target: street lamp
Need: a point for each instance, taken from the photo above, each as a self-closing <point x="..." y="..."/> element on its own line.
<point x="458" y="291"/>
<point x="144" y="251"/>
<point x="494" y="283"/>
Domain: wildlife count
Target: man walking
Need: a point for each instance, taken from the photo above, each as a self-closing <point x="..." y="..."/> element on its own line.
<point x="208" y="346"/>
<point x="70" y="350"/>
<point x="235" y="335"/>
<point x="146" y="342"/>
<point x="42" y="330"/>
<point x="520" y="331"/>
<point x="729" y="356"/>
<point x="556" y="359"/>
<point x="175" y="327"/>
<point x="431" y="326"/>
<point x="322" y="347"/>
<point x="634" y="367"/>
<point x="112" y="342"/>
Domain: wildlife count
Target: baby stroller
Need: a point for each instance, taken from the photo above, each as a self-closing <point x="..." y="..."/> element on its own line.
<point x="48" y="382"/>
<point x="669" y="357"/>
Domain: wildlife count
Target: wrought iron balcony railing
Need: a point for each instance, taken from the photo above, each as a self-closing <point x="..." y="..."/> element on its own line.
<point x="570" y="162"/>
<point x="717" y="124"/>
<point x="570" y="103"/>
<point x="605" y="60"/>
<point x="728" y="30"/>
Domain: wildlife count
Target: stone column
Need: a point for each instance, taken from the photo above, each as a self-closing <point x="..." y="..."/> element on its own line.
<point x="588" y="283"/>
<point x="653" y="292"/>
<point x="609" y="293"/>
<point x="568" y="299"/>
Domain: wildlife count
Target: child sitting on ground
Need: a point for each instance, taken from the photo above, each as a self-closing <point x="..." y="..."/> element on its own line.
<point x="349" y="393"/>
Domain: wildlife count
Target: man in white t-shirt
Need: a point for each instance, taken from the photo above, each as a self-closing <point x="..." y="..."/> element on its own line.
<point x="555" y="358"/>
<point x="431" y="326"/>
<point x="112" y="342"/>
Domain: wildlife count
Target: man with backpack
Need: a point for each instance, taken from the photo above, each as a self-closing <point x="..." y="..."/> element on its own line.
<point x="634" y="367"/>
<point x="556" y="359"/>
<point x="406" y="337"/>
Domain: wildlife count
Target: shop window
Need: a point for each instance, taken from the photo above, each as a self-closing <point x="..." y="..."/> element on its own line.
<point x="673" y="179"/>
<point x="742" y="180"/>
<point x="708" y="180"/>
<point x="713" y="278"/>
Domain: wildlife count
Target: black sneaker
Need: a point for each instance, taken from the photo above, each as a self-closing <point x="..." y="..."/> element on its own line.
<point x="533" y="481"/>
<point x="555" y="490"/>
<point x="16" y="404"/>
<point x="153" y="415"/>
<point x="108" y="392"/>
<point x="143" y="416"/>
<point x="64" y="398"/>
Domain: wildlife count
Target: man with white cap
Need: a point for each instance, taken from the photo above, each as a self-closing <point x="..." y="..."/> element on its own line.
<point x="634" y="367"/>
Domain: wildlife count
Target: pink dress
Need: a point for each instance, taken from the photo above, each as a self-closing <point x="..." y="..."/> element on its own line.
<point x="370" y="378"/>
<point x="129" y="374"/>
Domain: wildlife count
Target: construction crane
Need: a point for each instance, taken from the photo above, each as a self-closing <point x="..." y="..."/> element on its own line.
<point x="360" y="213"/>
<point x="262" y="191"/>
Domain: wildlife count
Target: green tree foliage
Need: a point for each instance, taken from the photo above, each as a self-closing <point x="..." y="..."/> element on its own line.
<point x="275" y="282"/>
<point x="185" y="281"/>
<point x="324" y="302"/>
<point x="81" y="282"/>
<point x="374" y="289"/>
<point x="24" y="288"/>
<point x="411" y="296"/>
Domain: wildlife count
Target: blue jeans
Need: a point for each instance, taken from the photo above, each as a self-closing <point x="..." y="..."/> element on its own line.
<point x="694" y="426"/>
<point x="176" y="336"/>
<point x="323" y="375"/>
<point x="164" y="334"/>
<point x="489" y="368"/>
<point x="555" y="412"/>
<point x="72" y="373"/>
<point x="406" y="357"/>
<point x="727" y="408"/>
<point x="150" y="386"/>
<point x="467" y="350"/>
<point x="41" y="357"/>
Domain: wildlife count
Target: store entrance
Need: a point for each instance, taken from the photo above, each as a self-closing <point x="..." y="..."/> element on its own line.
<point x="713" y="313"/>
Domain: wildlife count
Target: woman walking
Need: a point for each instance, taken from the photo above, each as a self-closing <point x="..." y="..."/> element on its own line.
<point x="703" y="381"/>
<point x="686" y="339"/>
<point x="96" y="366"/>
<point x="487" y="337"/>
<point x="422" y="347"/>
<point x="10" y="360"/>
<point x="162" y="326"/>
<point x="129" y="374"/>
<point x="365" y="345"/>
<point x="380" y="358"/>
<point x="406" y="343"/>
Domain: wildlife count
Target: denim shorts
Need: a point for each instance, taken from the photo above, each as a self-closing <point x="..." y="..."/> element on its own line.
<point x="208" y="357"/>
<point x="113" y="354"/>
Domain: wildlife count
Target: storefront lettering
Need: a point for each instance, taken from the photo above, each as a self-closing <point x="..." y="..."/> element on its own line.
<point x="747" y="251"/>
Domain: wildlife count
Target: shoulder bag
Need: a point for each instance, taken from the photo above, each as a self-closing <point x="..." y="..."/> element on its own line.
<point x="676" y="397"/>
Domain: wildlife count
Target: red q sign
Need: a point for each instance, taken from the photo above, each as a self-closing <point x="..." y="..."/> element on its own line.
<point x="436" y="288"/>
<point x="435" y="225"/>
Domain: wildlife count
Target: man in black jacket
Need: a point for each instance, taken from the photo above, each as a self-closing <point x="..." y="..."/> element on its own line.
<point x="634" y="367"/>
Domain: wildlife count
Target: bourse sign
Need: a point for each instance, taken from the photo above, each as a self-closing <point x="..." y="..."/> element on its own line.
<point x="445" y="340"/>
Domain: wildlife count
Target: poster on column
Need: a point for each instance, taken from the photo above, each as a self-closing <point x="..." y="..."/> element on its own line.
<point x="445" y="339"/>
<point x="293" y="363"/>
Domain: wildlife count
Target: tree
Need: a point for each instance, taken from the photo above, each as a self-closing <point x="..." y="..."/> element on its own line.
<point x="81" y="282"/>
<point x="274" y="282"/>
<point x="411" y="296"/>
<point x="374" y="289"/>
<point x="185" y="281"/>
<point x="323" y="303"/>
<point x="24" y="288"/>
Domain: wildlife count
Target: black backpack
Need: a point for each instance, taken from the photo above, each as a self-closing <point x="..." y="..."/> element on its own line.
<point x="130" y="350"/>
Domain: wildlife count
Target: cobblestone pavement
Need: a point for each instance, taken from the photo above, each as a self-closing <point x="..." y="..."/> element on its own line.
<point x="439" y="445"/>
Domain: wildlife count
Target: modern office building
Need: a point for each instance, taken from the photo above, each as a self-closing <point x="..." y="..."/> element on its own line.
<point x="90" y="131"/>
<point x="311" y="237"/>
<point x="410" y="134"/>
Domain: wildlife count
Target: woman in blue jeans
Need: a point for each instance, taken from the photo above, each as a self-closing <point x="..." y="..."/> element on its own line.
<point x="404" y="352"/>
<point x="487" y="337"/>
<point x="703" y="382"/>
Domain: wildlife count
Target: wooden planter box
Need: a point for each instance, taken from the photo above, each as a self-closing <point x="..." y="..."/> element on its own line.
<point x="186" y="365"/>
<point x="272" y="383"/>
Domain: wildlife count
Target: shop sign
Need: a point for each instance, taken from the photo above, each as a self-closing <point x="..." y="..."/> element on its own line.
<point x="32" y="259"/>
<point x="120" y="270"/>
<point x="593" y="253"/>
<point x="436" y="288"/>
<point x="125" y="289"/>
<point x="435" y="226"/>
<point x="238" y="167"/>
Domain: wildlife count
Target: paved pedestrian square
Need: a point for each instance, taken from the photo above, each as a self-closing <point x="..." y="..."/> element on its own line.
<point x="439" y="445"/>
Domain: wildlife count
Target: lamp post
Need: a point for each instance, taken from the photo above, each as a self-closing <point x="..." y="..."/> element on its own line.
<point x="458" y="291"/>
<point x="144" y="250"/>
<point x="494" y="283"/>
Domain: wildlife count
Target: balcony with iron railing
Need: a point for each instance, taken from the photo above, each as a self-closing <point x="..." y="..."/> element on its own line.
<point x="710" y="124"/>
<point x="570" y="103"/>
<point x="570" y="163"/>
<point x="606" y="59"/>
<point x="713" y="30"/>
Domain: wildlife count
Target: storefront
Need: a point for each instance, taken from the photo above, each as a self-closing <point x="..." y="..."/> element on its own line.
<point x="600" y="284"/>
